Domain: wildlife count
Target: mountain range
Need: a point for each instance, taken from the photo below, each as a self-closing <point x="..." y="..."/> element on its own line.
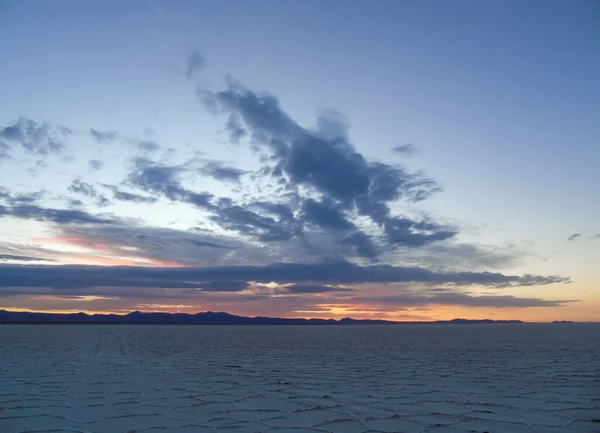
<point x="206" y="318"/>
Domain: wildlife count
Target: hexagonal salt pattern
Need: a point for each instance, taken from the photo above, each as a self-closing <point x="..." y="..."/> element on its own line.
<point x="337" y="379"/>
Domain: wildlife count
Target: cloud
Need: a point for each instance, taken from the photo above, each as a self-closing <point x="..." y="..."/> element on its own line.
<point x="322" y="161"/>
<point x="405" y="149"/>
<point x="323" y="183"/>
<point x="105" y="136"/>
<point x="5" y="151"/>
<point x="462" y="300"/>
<point x="456" y="255"/>
<point x="59" y="216"/>
<point x="79" y="187"/>
<point x="164" y="180"/>
<point x="242" y="220"/>
<point x="7" y="257"/>
<point x="574" y="236"/>
<point x="35" y="137"/>
<point x="597" y="236"/>
<point x="195" y="63"/>
<point x="165" y="245"/>
<point x="223" y="286"/>
<point x="148" y="146"/>
<point x="20" y="198"/>
<point x="235" y="128"/>
<point x="326" y="215"/>
<point x="283" y="273"/>
<point x="315" y="288"/>
<point x="218" y="170"/>
<point x="118" y="194"/>
<point x="95" y="164"/>
<point x="207" y="244"/>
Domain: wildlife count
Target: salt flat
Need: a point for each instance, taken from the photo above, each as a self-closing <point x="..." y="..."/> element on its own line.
<point x="410" y="378"/>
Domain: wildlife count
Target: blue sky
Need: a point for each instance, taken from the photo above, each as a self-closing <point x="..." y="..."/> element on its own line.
<point x="500" y="101"/>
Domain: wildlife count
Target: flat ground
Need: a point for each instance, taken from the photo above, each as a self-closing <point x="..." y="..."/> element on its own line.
<point x="423" y="378"/>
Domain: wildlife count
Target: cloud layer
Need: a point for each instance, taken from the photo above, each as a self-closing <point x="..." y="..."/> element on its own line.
<point x="313" y="224"/>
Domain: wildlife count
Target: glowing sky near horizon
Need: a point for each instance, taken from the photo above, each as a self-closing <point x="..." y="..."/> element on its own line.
<point x="400" y="160"/>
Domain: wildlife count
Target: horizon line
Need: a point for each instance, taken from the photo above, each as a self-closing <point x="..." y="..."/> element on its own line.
<point x="314" y="319"/>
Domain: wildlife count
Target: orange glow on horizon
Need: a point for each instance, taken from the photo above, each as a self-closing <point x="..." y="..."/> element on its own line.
<point x="408" y="316"/>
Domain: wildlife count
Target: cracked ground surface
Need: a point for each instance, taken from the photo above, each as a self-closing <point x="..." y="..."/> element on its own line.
<point x="410" y="378"/>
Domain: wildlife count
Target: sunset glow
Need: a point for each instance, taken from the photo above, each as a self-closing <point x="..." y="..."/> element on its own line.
<point x="402" y="169"/>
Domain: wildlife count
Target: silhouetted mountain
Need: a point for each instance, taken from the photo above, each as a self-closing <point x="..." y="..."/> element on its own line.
<point x="468" y="321"/>
<point x="207" y="318"/>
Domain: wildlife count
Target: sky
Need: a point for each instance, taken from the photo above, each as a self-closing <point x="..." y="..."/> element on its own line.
<point x="409" y="160"/>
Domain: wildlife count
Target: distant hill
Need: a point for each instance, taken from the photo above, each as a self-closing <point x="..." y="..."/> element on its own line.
<point x="207" y="318"/>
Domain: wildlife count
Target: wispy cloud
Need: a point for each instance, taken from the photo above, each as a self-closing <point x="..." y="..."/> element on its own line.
<point x="194" y="64"/>
<point x="18" y="258"/>
<point x="59" y="216"/>
<point x="95" y="164"/>
<point x="406" y="149"/>
<point x="35" y="137"/>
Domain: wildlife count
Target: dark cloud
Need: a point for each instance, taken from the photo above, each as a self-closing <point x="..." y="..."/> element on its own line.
<point x="223" y="286"/>
<point x="404" y="231"/>
<point x="148" y="146"/>
<point x="361" y="244"/>
<point x="195" y="63"/>
<point x="205" y="244"/>
<point x="283" y="212"/>
<point x="75" y="202"/>
<point x="128" y="196"/>
<point x="326" y="215"/>
<point x="461" y="299"/>
<point x="329" y="216"/>
<point x="405" y="149"/>
<point x="164" y="180"/>
<point x="95" y="164"/>
<point x="105" y="136"/>
<point x="36" y="137"/>
<point x="242" y="220"/>
<point x="59" y="216"/>
<point x="79" y="187"/>
<point x="324" y="161"/>
<point x="235" y="128"/>
<point x="20" y="198"/>
<point x="574" y="236"/>
<point x="6" y="257"/>
<point x="218" y="170"/>
<point x="328" y="273"/>
<point x="320" y="162"/>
